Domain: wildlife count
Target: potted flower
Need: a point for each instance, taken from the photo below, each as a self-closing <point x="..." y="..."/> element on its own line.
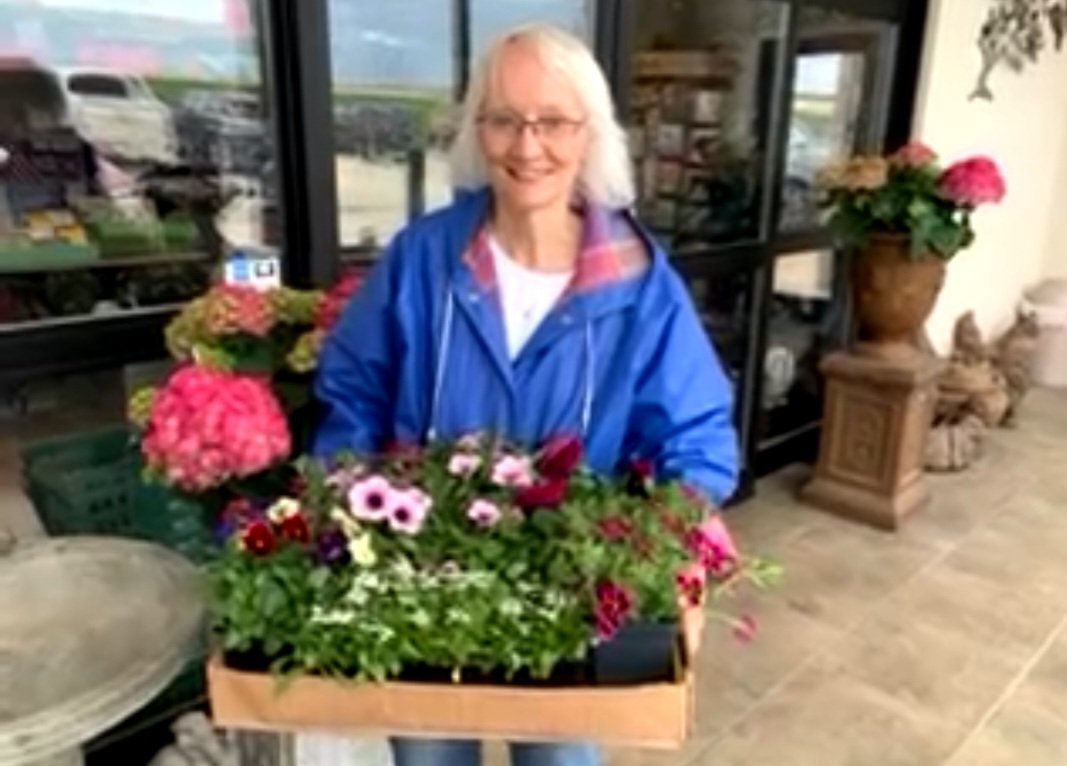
<point x="905" y="217"/>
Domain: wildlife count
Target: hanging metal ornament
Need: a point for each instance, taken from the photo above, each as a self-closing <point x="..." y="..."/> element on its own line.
<point x="1014" y="34"/>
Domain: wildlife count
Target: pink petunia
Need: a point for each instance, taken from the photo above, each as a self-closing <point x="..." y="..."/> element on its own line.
<point x="691" y="581"/>
<point x="463" y="464"/>
<point x="484" y="513"/>
<point x="713" y="546"/>
<point x="511" y="471"/>
<point x="369" y="500"/>
<point x="407" y="510"/>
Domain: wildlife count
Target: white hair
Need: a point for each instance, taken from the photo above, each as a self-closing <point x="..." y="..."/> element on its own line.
<point x="606" y="176"/>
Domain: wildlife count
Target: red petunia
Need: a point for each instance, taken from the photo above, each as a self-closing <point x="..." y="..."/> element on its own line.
<point x="295" y="528"/>
<point x="543" y="494"/>
<point x="614" y="602"/>
<point x="560" y="457"/>
<point x="258" y="538"/>
<point x="615" y="528"/>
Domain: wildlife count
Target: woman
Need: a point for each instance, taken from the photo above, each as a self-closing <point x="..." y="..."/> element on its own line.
<point x="534" y="305"/>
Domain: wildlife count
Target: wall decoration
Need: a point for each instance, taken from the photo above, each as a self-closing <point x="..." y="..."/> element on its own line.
<point x="1015" y="33"/>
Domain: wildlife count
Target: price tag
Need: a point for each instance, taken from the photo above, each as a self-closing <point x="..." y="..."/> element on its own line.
<point x="260" y="270"/>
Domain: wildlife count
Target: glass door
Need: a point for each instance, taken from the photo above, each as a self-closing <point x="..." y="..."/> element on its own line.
<point x="840" y="99"/>
<point x="702" y="77"/>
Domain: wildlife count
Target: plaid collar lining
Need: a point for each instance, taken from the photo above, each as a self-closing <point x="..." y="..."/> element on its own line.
<point x="611" y="251"/>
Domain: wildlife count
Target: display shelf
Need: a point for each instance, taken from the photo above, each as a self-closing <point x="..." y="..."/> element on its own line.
<point x="118" y="262"/>
<point x="77" y="319"/>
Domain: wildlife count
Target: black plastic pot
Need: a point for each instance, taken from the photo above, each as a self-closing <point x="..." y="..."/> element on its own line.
<point x="640" y="653"/>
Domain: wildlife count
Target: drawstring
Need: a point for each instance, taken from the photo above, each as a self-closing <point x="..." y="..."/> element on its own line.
<point x="442" y="363"/>
<point x="590" y="370"/>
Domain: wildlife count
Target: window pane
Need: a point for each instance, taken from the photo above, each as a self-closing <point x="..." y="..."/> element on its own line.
<point x="393" y="85"/>
<point x="833" y="104"/>
<point x="130" y="160"/>
<point x="490" y="18"/>
<point x="806" y="320"/>
<point x="702" y="86"/>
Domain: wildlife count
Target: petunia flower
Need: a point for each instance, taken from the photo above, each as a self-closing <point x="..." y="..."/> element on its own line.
<point x="369" y="499"/>
<point x="511" y="471"/>
<point x="483" y="513"/>
<point x="407" y="510"/>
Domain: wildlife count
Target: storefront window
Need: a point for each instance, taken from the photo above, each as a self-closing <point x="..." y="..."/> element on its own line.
<point x="394" y="76"/>
<point x="702" y="92"/>
<point x="490" y="18"/>
<point x="130" y="161"/>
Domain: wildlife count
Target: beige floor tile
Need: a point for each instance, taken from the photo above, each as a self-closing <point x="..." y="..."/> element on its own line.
<point x="786" y="639"/>
<point x="1045" y="687"/>
<point x="687" y="755"/>
<point x="828" y="718"/>
<point x="1019" y="735"/>
<point x="942" y="674"/>
<point x="835" y="571"/>
<point x="1013" y="620"/>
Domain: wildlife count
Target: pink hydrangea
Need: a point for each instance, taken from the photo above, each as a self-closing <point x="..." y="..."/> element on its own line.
<point x="972" y="182"/>
<point x="408" y="509"/>
<point x="371" y="498"/>
<point x="483" y="513"/>
<point x="209" y="426"/>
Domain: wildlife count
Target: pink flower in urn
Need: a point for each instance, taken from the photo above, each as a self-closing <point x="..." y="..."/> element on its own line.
<point x="369" y="499"/>
<point x="464" y="465"/>
<point x="972" y="182"/>
<point x="511" y="471"/>
<point x="913" y="155"/>
<point x="691" y="581"/>
<point x="408" y="509"/>
<point x="483" y="513"/>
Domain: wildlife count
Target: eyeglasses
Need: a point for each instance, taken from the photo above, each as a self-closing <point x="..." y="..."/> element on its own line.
<point x="508" y="126"/>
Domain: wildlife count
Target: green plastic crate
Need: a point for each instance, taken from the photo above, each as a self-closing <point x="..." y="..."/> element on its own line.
<point x="90" y="483"/>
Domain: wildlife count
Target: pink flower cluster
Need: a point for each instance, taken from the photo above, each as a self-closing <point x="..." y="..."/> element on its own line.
<point x="972" y="182"/>
<point x="208" y="426"/>
<point x="232" y="309"/>
<point x="913" y="155"/>
<point x="375" y="500"/>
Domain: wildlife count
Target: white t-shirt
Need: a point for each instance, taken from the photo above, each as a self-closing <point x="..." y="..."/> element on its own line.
<point x="526" y="296"/>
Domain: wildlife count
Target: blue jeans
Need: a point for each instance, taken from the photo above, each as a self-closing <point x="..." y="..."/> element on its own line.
<point x="461" y="752"/>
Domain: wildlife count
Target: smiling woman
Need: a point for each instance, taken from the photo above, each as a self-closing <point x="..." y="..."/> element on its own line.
<point x="534" y="305"/>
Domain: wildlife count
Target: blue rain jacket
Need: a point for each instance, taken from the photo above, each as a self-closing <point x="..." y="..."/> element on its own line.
<point x="419" y="353"/>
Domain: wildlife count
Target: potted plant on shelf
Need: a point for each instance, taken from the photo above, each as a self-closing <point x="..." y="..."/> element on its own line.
<point x="905" y="217"/>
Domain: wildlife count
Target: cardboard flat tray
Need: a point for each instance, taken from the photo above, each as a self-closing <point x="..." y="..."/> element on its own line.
<point x="655" y="716"/>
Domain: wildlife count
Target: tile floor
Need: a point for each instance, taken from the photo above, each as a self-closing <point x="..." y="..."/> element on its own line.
<point x="944" y="644"/>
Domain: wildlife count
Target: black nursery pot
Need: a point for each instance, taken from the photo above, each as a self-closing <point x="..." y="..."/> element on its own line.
<point x="640" y="653"/>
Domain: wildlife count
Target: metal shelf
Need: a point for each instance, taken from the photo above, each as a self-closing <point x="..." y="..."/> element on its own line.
<point x="131" y="261"/>
<point x="15" y="328"/>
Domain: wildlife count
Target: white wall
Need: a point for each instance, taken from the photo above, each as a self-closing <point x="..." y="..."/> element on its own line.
<point x="1025" y="130"/>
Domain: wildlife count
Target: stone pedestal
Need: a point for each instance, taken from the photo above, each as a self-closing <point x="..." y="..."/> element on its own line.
<point x="876" y="419"/>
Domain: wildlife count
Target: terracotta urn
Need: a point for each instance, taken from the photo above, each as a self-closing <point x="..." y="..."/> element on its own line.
<point x="893" y="294"/>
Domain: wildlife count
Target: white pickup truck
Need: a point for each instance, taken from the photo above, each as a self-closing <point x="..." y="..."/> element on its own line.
<point x="120" y="115"/>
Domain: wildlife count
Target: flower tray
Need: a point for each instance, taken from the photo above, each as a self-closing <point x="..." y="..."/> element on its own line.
<point x="648" y="715"/>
